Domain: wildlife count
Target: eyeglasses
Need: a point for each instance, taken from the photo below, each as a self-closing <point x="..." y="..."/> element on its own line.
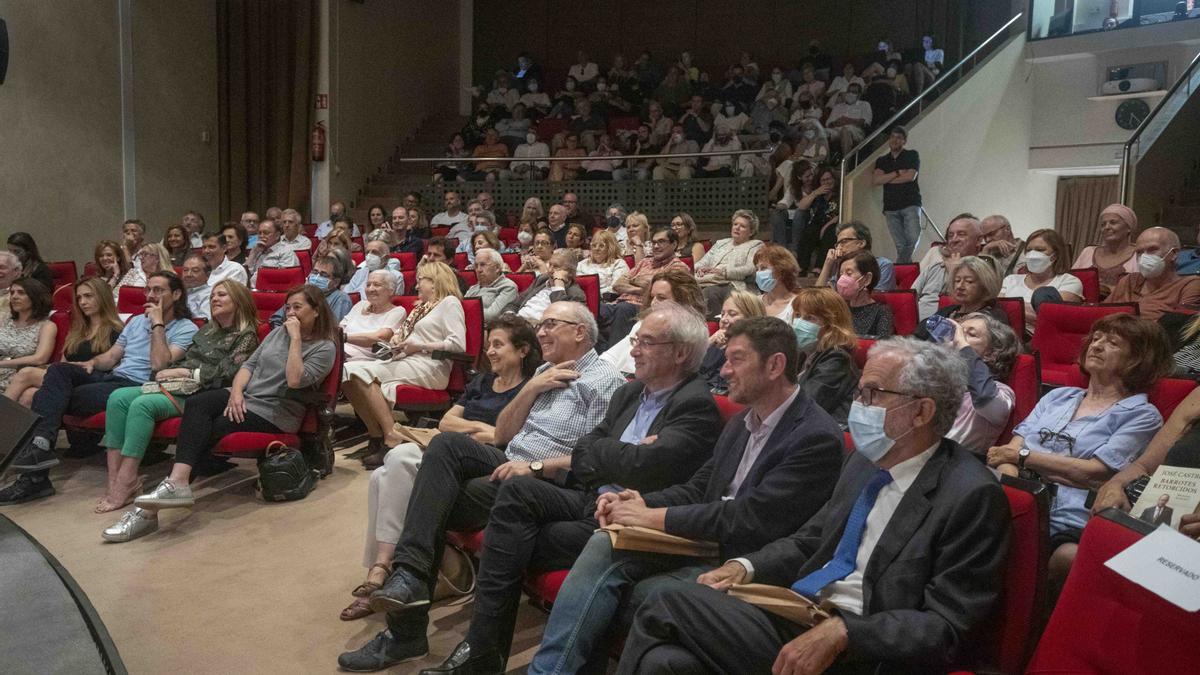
<point x="660" y="242"/>
<point x="847" y="240"/>
<point x="867" y="394"/>
<point x="154" y="290"/>
<point x="1048" y="437"/>
<point x="634" y="341"/>
<point x="551" y="324"/>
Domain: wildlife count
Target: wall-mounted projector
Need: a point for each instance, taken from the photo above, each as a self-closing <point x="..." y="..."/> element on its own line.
<point x="1130" y="85"/>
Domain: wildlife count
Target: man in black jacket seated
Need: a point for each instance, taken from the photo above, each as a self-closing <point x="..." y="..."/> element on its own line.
<point x="910" y="550"/>
<point x="659" y="429"/>
<point x="774" y="466"/>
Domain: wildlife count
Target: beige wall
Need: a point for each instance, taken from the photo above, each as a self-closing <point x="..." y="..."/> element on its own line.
<point x="61" y="177"/>
<point x="391" y="65"/>
<point x="973" y="155"/>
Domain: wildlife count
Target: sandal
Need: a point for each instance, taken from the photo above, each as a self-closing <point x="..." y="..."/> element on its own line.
<point x="366" y="588"/>
<point x="105" y="506"/>
<point x="361" y="607"/>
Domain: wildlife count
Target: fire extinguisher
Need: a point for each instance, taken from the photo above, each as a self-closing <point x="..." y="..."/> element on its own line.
<point x="318" y="142"/>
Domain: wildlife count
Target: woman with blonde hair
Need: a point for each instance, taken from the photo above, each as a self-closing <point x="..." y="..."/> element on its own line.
<point x="154" y="257"/>
<point x="974" y="288"/>
<point x="739" y="305"/>
<point x="436" y="323"/>
<point x="217" y="351"/>
<point x="533" y="214"/>
<point x="637" y="232"/>
<point x="604" y="260"/>
<point x="94" y="328"/>
<point x="825" y="334"/>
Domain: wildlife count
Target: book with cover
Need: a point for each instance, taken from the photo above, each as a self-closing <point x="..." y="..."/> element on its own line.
<point x="1171" y="492"/>
<point x="782" y="602"/>
<point x="421" y="437"/>
<point x="635" y="538"/>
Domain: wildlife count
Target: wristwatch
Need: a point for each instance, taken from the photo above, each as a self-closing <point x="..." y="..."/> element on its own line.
<point x="1022" y="455"/>
<point x="536" y="467"/>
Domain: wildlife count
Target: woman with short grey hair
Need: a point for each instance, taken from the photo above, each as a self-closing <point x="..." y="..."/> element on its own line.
<point x="730" y="261"/>
<point x="974" y="288"/>
<point x="990" y="349"/>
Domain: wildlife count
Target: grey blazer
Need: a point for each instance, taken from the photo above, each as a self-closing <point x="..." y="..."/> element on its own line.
<point x="495" y="296"/>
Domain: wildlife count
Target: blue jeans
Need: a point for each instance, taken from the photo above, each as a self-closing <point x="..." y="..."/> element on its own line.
<point x="782" y="231"/>
<point x="587" y="606"/>
<point x="905" y="226"/>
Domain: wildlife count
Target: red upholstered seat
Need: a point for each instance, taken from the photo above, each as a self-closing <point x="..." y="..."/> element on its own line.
<point x="548" y="126"/>
<point x="1166" y="394"/>
<point x="440" y="230"/>
<point x="513" y="260"/>
<point x="1027" y="388"/>
<point x="419" y="399"/>
<point x="523" y="280"/>
<point x="690" y="262"/>
<point x="305" y="258"/>
<point x="461" y="261"/>
<point x="906" y="274"/>
<point x="1090" y="278"/>
<point x="727" y="408"/>
<point x="508" y="235"/>
<point x="62" y="321"/>
<point x="408" y="261"/>
<point x="713" y="327"/>
<point x="63" y="298"/>
<point x="131" y="300"/>
<point x="860" y="352"/>
<point x="264" y="329"/>
<point x="468" y="277"/>
<point x="92" y="423"/>
<point x="63" y="272"/>
<point x="631" y="261"/>
<point x="410" y="284"/>
<point x="707" y="244"/>
<point x="268" y="302"/>
<point x="590" y="283"/>
<point x="1061" y="328"/>
<point x="471" y="542"/>
<point x="1014" y="308"/>
<point x="623" y="123"/>
<point x="252" y="444"/>
<point x="278" y="279"/>
<point x="90" y="269"/>
<point x="310" y="230"/>
<point x="543" y="588"/>
<point x="1104" y="623"/>
<point x="357" y="257"/>
<point x="904" y="309"/>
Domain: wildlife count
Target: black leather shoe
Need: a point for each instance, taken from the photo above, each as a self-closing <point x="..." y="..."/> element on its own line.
<point x="465" y="661"/>
<point x="33" y="457"/>
<point x="373" y="446"/>
<point x="375" y="459"/>
<point x="383" y="651"/>
<point x="25" y="489"/>
<point x="402" y="592"/>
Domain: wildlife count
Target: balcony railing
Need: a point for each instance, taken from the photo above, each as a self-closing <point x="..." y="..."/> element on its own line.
<point x="1152" y="127"/>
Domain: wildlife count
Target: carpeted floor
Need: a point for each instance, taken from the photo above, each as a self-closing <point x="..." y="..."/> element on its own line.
<point x="234" y="585"/>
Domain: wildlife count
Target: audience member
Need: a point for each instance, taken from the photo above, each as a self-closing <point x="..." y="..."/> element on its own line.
<point x="494" y="290"/>
<point x="841" y="84"/>
<point x="568" y="169"/>
<point x="670" y="285"/>
<point x="778" y="277"/>
<point x="249" y="221"/>
<point x="773" y="467"/>
<point x="821" y="210"/>
<point x="536" y="101"/>
<point x="738" y="87"/>
<point x="376" y="218"/>
<point x="10" y="271"/>
<point x="532" y="214"/>
<point x="688" y="246"/>
<point x="373" y="319"/>
<point x="1076" y="438"/>
<point x="1188" y="262"/>
<point x="990" y="349"/>
<point x="671" y="168"/>
<point x="849" y="119"/>
<point x="234" y="237"/>
<point x="926" y="71"/>
<point x="532" y="148"/>
<point x="291" y="235"/>
<point x="999" y="242"/>
<point x="659" y="429"/>
<point x="537" y="261"/>
<point x="851" y="239"/>
<point x="93" y="329"/>
<point x="450" y="169"/>
<point x="270" y="251"/>
<point x="556" y="284"/>
<point x="404" y="239"/>
<point x="959" y="528"/>
<point x="513" y="355"/>
<point x="152" y="258"/>
<point x="377" y="259"/>
<point x="217" y="352"/>
<point x="221" y="267"/>
<point x="1116" y="254"/>
<point x="195" y="282"/>
<point x="436" y="323"/>
<point x="452" y="215"/>
<point x="937" y="268"/>
<point x="338" y="238"/>
<point x="661" y="126"/>
<point x="460" y="476"/>
<point x="1046" y="265"/>
<point x="616" y="318"/>
<point x="792" y="187"/>
<point x="696" y="121"/>
<point x="26" y="334"/>
<point x="1156" y="287"/>
<point x="298" y="355"/>
<point x="809" y="84"/>
<point x="526" y="73"/>
<point x="577" y="240"/>
<point x="975" y="288"/>
<point x="556" y="224"/>
<point x="614" y="221"/>
<point x="111" y="263"/>
<point x="150" y="342"/>
<point x="583" y="71"/>
<point x="855" y="283"/>
<point x="327" y="275"/>
<point x="637" y="236"/>
<point x="639" y="144"/>
<point x="176" y="241"/>
<point x="739" y="305"/>
<point x="729" y="262"/>
<point x="133" y="235"/>
<point x="22" y="245"/>
<point x="336" y="210"/>
<point x="719" y="166"/>
<point x="193" y="222"/>
<point x="825" y="334"/>
<point x="674" y="91"/>
<point x="605" y="261"/>
<point x="897" y="172"/>
<point x="502" y="97"/>
<point x="488" y="169"/>
<point x="598" y="166"/>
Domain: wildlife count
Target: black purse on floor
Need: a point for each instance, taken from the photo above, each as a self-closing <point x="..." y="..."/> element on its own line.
<point x="284" y="474"/>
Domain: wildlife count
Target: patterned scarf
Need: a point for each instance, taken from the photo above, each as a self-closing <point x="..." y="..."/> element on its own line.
<point x="419" y="311"/>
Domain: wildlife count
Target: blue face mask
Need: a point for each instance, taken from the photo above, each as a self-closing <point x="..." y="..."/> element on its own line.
<point x="251" y="241"/>
<point x="765" y="279"/>
<point x="806" y="332"/>
<point x="319" y="281"/>
<point x="866" y="428"/>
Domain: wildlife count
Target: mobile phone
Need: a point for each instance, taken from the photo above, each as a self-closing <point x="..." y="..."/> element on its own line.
<point x="940" y="328"/>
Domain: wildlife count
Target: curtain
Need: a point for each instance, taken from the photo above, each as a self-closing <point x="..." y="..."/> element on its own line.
<point x="1077" y="208"/>
<point x="267" y="54"/>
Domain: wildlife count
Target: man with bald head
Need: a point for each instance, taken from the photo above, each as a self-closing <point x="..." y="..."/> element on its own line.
<point x="963" y="238"/>
<point x="1002" y="245"/>
<point x="1156" y="287"/>
<point x="403" y="238"/>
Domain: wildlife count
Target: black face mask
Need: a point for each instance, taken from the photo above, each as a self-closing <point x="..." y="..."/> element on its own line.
<point x="776" y="136"/>
<point x="614" y="222"/>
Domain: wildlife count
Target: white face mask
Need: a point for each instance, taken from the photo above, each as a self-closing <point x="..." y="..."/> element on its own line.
<point x="866" y="424"/>
<point x="1037" y="262"/>
<point x="851" y="98"/>
<point x="1151" y="266"/>
<point x="373" y="261"/>
<point x="677" y="138"/>
<point x="601" y="86"/>
<point x="524" y="237"/>
<point x="891" y="72"/>
<point x="531" y="138"/>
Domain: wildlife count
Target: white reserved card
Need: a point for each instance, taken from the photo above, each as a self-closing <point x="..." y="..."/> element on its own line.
<point x="1165" y="563"/>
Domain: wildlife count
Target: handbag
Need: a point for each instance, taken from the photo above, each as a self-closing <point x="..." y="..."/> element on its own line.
<point x="284" y="474"/>
<point x="180" y="386"/>
<point x="456" y="574"/>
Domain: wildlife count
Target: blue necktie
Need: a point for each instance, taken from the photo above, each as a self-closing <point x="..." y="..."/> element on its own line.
<point x="843" y="561"/>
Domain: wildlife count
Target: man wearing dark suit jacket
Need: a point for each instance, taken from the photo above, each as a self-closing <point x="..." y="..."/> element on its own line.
<point x="773" y="467"/>
<point x="658" y="430"/>
<point x="909" y="551"/>
<point x="1160" y="513"/>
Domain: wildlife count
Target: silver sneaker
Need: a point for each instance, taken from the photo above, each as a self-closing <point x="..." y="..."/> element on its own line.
<point x="166" y="496"/>
<point x="133" y="524"/>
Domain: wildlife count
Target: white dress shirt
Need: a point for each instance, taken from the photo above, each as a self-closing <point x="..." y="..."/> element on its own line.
<point x="198" y="299"/>
<point x="760" y="431"/>
<point x="300" y="243"/>
<point x="228" y="269"/>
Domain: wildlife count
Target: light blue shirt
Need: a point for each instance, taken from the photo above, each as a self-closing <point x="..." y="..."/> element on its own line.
<point x="652" y="404"/>
<point x="1115" y="437"/>
<point x="135" y="339"/>
<point x="1188" y="262"/>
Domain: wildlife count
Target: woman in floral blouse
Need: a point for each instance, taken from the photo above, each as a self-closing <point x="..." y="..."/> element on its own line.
<point x="218" y="350"/>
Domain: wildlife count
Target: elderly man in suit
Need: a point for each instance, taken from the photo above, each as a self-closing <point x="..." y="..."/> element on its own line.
<point x="910" y="550"/>
<point x="555" y="284"/>
<point x="773" y="467"/>
<point x="659" y="429"/>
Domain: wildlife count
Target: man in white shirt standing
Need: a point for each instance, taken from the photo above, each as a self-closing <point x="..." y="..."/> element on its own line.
<point x="195" y="280"/>
<point x="219" y="266"/>
<point x="848" y="121"/>
<point x="936" y="557"/>
<point x="291" y="236"/>
<point x="453" y="215"/>
<point x="270" y="251"/>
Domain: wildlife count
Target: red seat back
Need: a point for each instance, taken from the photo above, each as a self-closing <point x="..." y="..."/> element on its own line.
<point x="904" y="309"/>
<point x="623" y="123"/>
<point x="508" y="235"/>
<point x="357" y="257"/>
<point x="906" y="274"/>
<point x="90" y="269"/>
<point x="631" y="261"/>
<point x="64" y="298"/>
<point x="1105" y="623"/>
<point x="267" y="303"/>
<point x="1090" y="278"/>
<point x="1168" y="393"/>
<point x="860" y="352"/>
<point x="468" y="277"/>
<point x="590" y="283"/>
<point x="440" y="231"/>
<point x="278" y="279"/>
<point x="461" y="261"/>
<point x="410" y="282"/>
<point x="707" y="244"/>
<point x="727" y="408"/>
<point x="62" y="321"/>
<point x="408" y="261"/>
<point x="713" y="327"/>
<point x="63" y="272"/>
<point x="548" y="126"/>
<point x="1061" y="328"/>
<point x="523" y="280"/>
<point x="131" y="300"/>
<point x="690" y="262"/>
<point x="473" y="314"/>
<point x="513" y="260"/>
<point x="1027" y="388"/>
<point x="310" y="229"/>
<point x="305" y="258"/>
<point x="264" y="329"/>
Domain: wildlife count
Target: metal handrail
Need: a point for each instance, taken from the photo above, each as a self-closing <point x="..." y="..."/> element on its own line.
<point x="917" y="101"/>
<point x="1127" y="151"/>
<point x="712" y="153"/>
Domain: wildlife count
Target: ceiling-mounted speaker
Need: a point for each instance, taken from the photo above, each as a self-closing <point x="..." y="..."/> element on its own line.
<point x="3" y="50"/>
